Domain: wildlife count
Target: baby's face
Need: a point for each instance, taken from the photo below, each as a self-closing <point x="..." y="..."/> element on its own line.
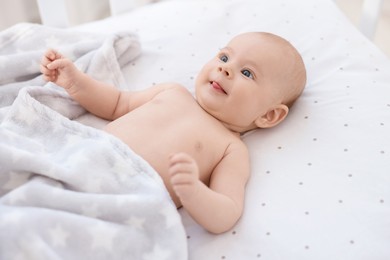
<point x="241" y="82"/>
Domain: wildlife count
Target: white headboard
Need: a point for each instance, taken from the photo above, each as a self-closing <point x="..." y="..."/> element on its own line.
<point x="368" y="21"/>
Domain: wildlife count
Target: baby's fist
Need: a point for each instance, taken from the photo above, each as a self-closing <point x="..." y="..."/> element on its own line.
<point x="184" y="174"/>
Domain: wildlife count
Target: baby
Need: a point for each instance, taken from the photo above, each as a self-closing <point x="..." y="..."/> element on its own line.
<point x="194" y="143"/>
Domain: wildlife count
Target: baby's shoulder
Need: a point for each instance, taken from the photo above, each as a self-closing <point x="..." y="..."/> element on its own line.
<point x="236" y="149"/>
<point x="237" y="145"/>
<point x="174" y="87"/>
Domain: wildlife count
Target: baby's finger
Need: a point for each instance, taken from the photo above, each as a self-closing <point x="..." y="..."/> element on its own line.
<point x="48" y="57"/>
<point x="181" y="179"/>
<point x="45" y="60"/>
<point x="44" y="70"/>
<point x="48" y="78"/>
<point x="52" y="54"/>
<point x="48" y="75"/>
<point x="179" y="158"/>
<point x="58" y="64"/>
<point x="179" y="169"/>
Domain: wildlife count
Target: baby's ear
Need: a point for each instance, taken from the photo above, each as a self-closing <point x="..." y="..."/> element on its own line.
<point x="273" y="117"/>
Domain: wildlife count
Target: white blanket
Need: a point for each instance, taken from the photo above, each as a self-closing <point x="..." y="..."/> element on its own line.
<point x="70" y="191"/>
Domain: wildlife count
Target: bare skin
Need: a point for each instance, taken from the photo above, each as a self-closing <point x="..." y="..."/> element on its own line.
<point x="194" y="144"/>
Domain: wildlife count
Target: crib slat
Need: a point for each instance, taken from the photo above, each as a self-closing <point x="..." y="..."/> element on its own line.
<point x="370" y="16"/>
<point x="120" y="6"/>
<point x="53" y="13"/>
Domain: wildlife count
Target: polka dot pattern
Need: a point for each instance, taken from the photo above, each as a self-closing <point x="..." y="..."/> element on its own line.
<point x="320" y="181"/>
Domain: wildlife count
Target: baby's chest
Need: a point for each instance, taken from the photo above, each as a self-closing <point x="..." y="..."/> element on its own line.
<point x="167" y="125"/>
<point x="193" y="136"/>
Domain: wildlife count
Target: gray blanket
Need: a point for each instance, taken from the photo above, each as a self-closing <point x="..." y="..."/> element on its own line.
<point x="67" y="190"/>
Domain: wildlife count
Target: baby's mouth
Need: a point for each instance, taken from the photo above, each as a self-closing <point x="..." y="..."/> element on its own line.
<point x="217" y="87"/>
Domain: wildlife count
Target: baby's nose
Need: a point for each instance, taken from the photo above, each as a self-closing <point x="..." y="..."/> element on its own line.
<point x="225" y="70"/>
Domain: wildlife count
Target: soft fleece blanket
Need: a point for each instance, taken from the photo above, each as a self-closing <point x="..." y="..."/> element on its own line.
<point x="67" y="190"/>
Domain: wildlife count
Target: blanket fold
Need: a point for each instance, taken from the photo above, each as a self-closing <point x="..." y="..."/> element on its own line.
<point x="67" y="190"/>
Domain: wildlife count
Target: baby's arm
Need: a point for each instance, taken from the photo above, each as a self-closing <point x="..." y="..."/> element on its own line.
<point x="96" y="97"/>
<point x="99" y="98"/>
<point x="218" y="207"/>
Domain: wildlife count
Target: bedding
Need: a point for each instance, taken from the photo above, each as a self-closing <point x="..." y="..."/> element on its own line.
<point x="319" y="187"/>
<point x="67" y="190"/>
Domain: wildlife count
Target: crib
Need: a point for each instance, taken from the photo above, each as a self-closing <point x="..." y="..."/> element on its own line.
<point x="320" y="181"/>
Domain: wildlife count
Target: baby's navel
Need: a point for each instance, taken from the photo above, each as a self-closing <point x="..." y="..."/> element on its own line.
<point x="198" y="146"/>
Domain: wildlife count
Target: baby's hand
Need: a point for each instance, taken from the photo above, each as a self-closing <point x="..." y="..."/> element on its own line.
<point x="184" y="173"/>
<point x="58" y="69"/>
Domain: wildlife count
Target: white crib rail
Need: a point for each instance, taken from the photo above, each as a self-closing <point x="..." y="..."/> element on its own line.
<point x="370" y="16"/>
<point x="54" y="12"/>
<point x="122" y="6"/>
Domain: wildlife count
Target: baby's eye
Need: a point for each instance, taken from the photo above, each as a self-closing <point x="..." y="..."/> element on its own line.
<point x="247" y="73"/>
<point x="224" y="58"/>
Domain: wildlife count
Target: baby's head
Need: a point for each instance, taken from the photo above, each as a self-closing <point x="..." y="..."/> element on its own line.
<point x="252" y="82"/>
